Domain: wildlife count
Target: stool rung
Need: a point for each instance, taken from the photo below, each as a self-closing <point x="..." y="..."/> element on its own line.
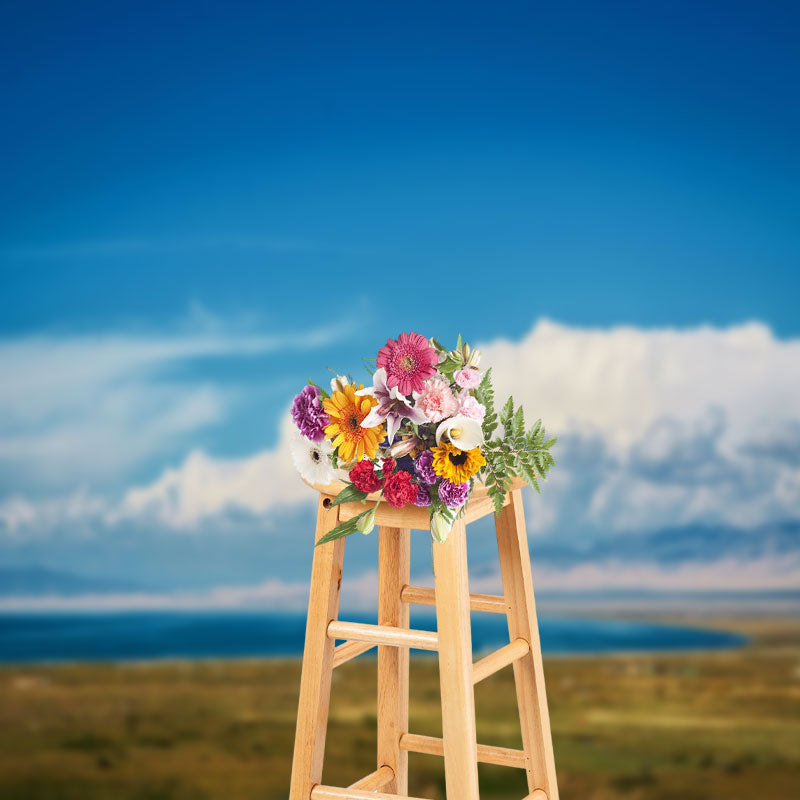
<point x="488" y="754"/>
<point x="375" y="780"/>
<point x="423" y="596"/>
<point x="506" y="655"/>
<point x="383" y="634"/>
<point x="536" y="794"/>
<point x="348" y="650"/>
<point x="320" y="792"/>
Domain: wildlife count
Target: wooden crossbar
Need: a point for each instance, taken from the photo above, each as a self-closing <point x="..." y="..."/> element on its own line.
<point x="421" y="595"/>
<point x="488" y="754"/>
<point x="348" y="650"/>
<point x="536" y="794"/>
<point x="320" y="792"/>
<point x="383" y="634"/>
<point x="506" y="655"/>
<point x="375" y="780"/>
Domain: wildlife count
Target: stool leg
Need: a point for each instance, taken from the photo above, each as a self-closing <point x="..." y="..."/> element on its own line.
<point x="455" y="665"/>
<point x="393" y="574"/>
<point x="315" y="681"/>
<point x="515" y="567"/>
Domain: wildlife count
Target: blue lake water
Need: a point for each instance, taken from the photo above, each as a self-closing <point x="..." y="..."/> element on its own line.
<point x="125" y="636"/>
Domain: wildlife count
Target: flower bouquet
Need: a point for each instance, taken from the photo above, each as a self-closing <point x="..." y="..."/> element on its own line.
<point x="421" y="434"/>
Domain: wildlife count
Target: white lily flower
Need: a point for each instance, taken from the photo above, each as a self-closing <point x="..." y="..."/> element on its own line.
<point x="392" y="407"/>
<point x="462" y="432"/>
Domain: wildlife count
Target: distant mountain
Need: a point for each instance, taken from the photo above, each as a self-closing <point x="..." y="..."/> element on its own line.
<point x="673" y="546"/>
<point x="34" y="580"/>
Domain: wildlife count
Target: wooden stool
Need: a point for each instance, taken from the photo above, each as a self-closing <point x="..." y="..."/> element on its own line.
<point x="453" y="641"/>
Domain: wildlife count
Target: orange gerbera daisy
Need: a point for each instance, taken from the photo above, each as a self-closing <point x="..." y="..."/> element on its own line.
<point x="346" y="412"/>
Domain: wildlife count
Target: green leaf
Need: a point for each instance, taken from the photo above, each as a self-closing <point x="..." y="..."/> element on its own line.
<point x="518" y="424"/>
<point x="506" y="413"/>
<point x="322" y="392"/>
<point x="348" y="495"/>
<point x="343" y="529"/>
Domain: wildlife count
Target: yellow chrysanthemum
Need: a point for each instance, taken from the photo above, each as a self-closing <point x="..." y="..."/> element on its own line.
<point x="457" y="466"/>
<point x="346" y="411"/>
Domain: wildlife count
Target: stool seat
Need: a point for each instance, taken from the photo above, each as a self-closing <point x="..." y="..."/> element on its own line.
<point x="452" y="641"/>
<point x="480" y="505"/>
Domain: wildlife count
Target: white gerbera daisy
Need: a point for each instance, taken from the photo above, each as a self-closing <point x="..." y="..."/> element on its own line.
<point x="312" y="459"/>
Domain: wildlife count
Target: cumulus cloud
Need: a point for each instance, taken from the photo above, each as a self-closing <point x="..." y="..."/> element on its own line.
<point x="203" y="486"/>
<point x="660" y="427"/>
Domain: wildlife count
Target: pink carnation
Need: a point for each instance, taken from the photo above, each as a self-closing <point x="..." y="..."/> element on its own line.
<point x="468" y="406"/>
<point x="467" y="378"/>
<point x="437" y="400"/>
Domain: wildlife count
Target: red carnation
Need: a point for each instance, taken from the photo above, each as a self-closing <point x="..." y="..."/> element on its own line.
<point x="388" y="467"/>
<point x="399" y="491"/>
<point x="364" y="478"/>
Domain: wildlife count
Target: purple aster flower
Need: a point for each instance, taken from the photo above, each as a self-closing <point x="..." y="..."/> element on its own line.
<point x="453" y="495"/>
<point x="309" y="415"/>
<point x="423" y="466"/>
<point x="423" y="498"/>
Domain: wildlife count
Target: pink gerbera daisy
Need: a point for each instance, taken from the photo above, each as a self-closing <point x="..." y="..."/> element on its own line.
<point x="408" y="361"/>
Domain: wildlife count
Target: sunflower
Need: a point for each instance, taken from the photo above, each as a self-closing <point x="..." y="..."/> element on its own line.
<point x="457" y="466"/>
<point x="346" y="412"/>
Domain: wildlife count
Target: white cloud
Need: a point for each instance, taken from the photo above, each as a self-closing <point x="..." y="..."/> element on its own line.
<point x="76" y="409"/>
<point x="657" y="428"/>
<point x="359" y="593"/>
<point x="619" y="381"/>
<point x="204" y="486"/>
<point x="660" y="427"/>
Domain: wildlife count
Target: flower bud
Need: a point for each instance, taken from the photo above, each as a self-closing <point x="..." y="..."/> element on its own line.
<point x="338" y="383"/>
<point x="440" y="527"/>
<point x="366" y="522"/>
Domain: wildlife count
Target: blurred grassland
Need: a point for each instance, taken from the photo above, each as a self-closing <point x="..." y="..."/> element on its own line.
<point x="694" y="726"/>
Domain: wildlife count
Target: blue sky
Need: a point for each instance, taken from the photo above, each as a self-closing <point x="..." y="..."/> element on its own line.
<point x="204" y="204"/>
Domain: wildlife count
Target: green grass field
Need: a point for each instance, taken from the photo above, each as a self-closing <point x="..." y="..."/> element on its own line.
<point x="689" y="726"/>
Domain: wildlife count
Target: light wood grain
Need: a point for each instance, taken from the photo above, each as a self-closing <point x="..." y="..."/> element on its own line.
<point x="375" y="781"/>
<point x="422" y="595"/>
<point x="451" y="586"/>
<point x="349" y="650"/>
<point x="315" y="680"/>
<point x="394" y="560"/>
<point x="515" y="568"/>
<point x="383" y="634"/>
<point x="487" y="754"/>
<point x="406" y="517"/>
<point x="334" y="793"/>
<point x="500" y="658"/>
<point x="453" y="640"/>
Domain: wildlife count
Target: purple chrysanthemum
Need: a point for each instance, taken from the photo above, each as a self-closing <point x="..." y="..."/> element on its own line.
<point x="423" y="466"/>
<point x="453" y="495"/>
<point x="423" y="498"/>
<point x="309" y="415"/>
